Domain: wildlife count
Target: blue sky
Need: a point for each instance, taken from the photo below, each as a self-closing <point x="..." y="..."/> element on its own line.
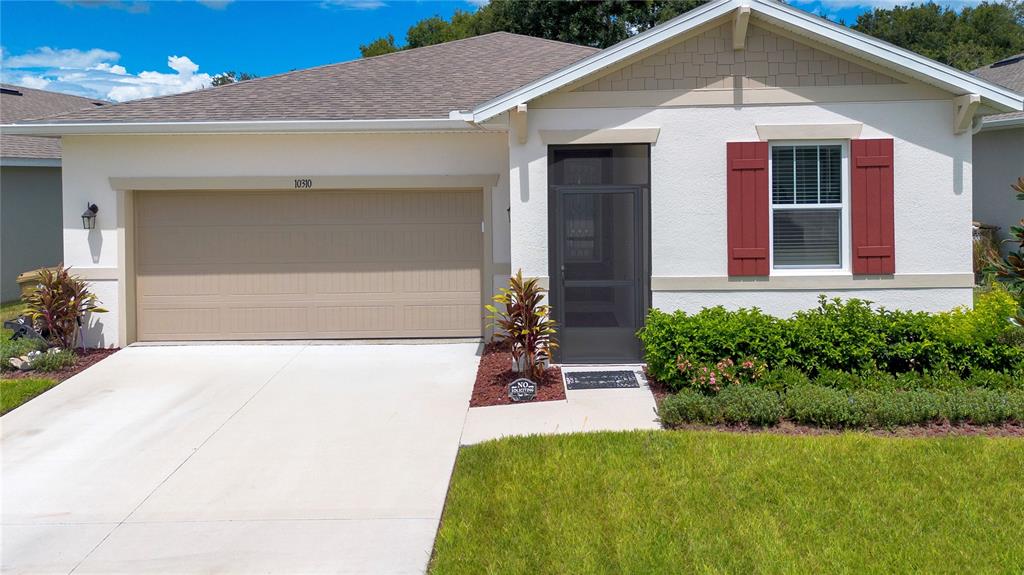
<point x="126" y="49"/>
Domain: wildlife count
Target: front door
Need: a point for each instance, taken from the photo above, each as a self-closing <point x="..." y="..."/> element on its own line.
<point x="599" y="286"/>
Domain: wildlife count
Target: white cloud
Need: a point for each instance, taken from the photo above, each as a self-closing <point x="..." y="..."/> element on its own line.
<point x="353" y="4"/>
<point x="33" y="82"/>
<point x="215" y="4"/>
<point x="47" y="57"/>
<point x="133" y="6"/>
<point x="479" y="2"/>
<point x="96" y="74"/>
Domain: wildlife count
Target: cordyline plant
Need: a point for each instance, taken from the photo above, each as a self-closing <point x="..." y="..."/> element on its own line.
<point x="1010" y="270"/>
<point x="524" y="322"/>
<point x="58" y="304"/>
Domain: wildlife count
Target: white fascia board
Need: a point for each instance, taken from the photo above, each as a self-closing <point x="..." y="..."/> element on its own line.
<point x="269" y="126"/>
<point x="1002" y="123"/>
<point x="889" y="55"/>
<point x="30" y="162"/>
<point x="604" y="58"/>
<point x="826" y="31"/>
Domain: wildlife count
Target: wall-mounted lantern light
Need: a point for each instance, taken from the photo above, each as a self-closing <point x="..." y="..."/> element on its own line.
<point x="89" y="216"/>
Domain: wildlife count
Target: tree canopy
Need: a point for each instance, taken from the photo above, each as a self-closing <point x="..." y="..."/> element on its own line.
<point x="231" y="77"/>
<point x="966" y="39"/>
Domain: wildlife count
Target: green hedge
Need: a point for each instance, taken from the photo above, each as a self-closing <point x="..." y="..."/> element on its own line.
<point x="838" y="408"/>
<point x="845" y="336"/>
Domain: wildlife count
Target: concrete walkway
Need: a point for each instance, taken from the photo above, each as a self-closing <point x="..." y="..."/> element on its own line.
<point x="582" y="410"/>
<point x="236" y="459"/>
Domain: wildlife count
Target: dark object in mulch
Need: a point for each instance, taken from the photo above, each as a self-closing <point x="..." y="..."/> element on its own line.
<point x="495" y="373"/>
<point x="929" y="430"/>
<point x="85" y="360"/>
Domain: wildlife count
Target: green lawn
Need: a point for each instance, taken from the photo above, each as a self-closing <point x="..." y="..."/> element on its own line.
<point x="14" y="392"/>
<point x="706" y="502"/>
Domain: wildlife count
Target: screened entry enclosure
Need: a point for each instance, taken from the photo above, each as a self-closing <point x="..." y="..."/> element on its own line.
<point x="598" y="237"/>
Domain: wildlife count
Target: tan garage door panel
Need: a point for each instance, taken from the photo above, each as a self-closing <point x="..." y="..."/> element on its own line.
<point x="310" y="264"/>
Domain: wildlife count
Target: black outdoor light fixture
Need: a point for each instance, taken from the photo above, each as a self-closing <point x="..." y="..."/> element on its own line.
<point x="89" y="216"/>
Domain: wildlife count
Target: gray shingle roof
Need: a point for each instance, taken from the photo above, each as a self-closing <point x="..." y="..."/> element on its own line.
<point x="426" y="82"/>
<point x="1008" y="72"/>
<point x="18" y="103"/>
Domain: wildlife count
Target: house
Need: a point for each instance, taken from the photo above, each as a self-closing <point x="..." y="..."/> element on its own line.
<point x="745" y="153"/>
<point x="999" y="153"/>
<point x="30" y="197"/>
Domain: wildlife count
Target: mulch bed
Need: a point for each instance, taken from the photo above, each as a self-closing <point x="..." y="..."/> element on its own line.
<point x="495" y="373"/>
<point x="85" y="359"/>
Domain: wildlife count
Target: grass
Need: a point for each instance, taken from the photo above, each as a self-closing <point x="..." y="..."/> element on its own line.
<point x="706" y="502"/>
<point x="14" y="392"/>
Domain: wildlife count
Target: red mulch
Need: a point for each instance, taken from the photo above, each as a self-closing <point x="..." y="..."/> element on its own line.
<point x="495" y="373"/>
<point x="86" y="359"/>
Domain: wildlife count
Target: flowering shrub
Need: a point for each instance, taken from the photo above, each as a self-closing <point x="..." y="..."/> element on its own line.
<point x="713" y="378"/>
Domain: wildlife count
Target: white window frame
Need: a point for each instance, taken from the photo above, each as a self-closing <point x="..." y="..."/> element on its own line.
<point x="843" y="205"/>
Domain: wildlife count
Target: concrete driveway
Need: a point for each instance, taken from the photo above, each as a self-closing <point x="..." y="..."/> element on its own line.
<point x="237" y="459"/>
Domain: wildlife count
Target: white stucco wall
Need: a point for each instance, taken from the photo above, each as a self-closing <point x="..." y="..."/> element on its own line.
<point x="89" y="162"/>
<point x="688" y="192"/>
<point x="998" y="162"/>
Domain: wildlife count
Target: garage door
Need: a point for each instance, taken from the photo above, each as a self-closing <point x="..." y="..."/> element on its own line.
<point x="309" y="264"/>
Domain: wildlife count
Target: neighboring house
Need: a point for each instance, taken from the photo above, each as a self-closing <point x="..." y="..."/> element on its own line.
<point x="999" y="154"/>
<point x="31" y="229"/>
<point x="745" y="153"/>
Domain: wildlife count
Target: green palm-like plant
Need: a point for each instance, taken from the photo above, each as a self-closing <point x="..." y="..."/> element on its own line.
<point x="1010" y="270"/>
<point x="58" y="304"/>
<point x="524" y="322"/>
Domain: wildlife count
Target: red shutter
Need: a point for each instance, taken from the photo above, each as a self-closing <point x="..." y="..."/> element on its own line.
<point x="747" y="192"/>
<point x="871" y="211"/>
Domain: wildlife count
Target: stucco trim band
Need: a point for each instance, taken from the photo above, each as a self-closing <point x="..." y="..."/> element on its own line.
<point x="96" y="274"/>
<point x="314" y="182"/>
<point x="824" y="282"/>
<point x="29" y="162"/>
<point x="610" y="136"/>
<point x="767" y="132"/>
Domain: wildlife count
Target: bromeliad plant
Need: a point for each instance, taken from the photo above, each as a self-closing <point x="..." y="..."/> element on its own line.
<point x="524" y="322"/>
<point x="58" y="304"/>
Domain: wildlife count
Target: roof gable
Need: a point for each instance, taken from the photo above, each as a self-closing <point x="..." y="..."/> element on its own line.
<point x="792" y="20"/>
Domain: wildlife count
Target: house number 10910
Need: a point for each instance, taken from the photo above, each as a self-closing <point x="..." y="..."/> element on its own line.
<point x="303" y="184"/>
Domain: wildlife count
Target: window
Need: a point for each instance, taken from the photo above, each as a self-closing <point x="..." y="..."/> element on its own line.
<point x="809" y="191"/>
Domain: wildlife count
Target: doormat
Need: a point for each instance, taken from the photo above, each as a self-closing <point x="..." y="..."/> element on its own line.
<point x="600" y="380"/>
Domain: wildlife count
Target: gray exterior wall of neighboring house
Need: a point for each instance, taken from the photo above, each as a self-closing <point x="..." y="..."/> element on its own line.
<point x="30" y="208"/>
<point x="998" y="162"/>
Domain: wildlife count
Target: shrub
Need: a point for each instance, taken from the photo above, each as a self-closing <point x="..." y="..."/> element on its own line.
<point x="709" y="336"/>
<point x="524" y="322"/>
<point x="54" y="360"/>
<point x="895" y="407"/>
<point x="58" y="304"/>
<point x="784" y="378"/>
<point x="822" y="406"/>
<point x="688" y="406"/>
<point x="849" y="336"/>
<point x="724" y="373"/>
<point x="978" y="406"/>
<point x="749" y="404"/>
<point x="988" y="379"/>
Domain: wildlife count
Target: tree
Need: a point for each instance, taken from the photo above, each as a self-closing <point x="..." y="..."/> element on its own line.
<point x="385" y="45"/>
<point x="231" y="77"/>
<point x="968" y="39"/>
